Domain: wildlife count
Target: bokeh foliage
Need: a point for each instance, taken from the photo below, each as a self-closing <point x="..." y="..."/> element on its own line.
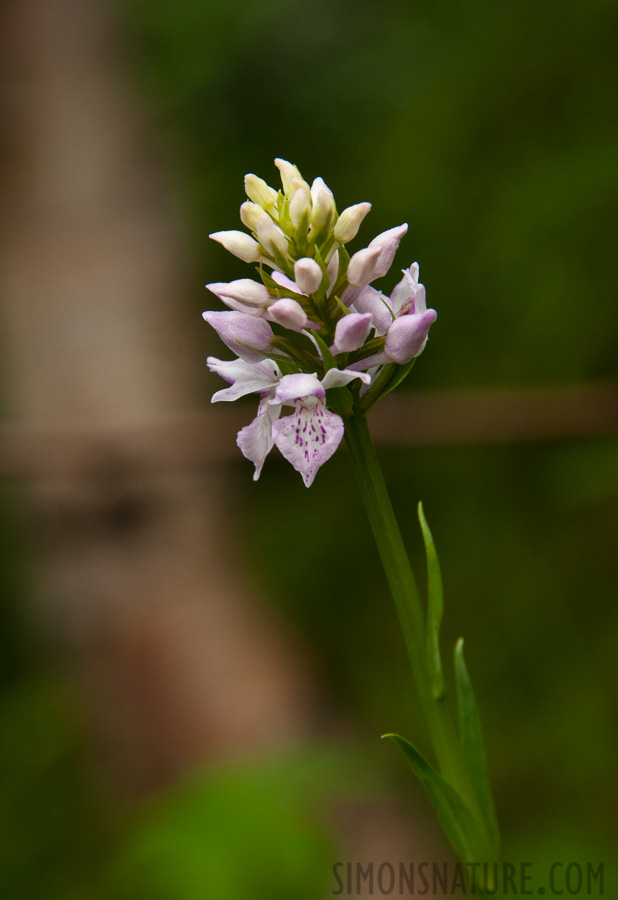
<point x="491" y="128"/>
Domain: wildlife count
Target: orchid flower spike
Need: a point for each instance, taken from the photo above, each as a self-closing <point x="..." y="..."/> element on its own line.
<point x="312" y="333"/>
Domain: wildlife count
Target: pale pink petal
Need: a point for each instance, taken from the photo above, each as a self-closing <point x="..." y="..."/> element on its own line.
<point x="387" y="243"/>
<point x="420" y="299"/>
<point x="288" y="313"/>
<point x="249" y="337"/>
<point x="409" y="295"/>
<point x="352" y="331"/>
<point x="369" y="362"/>
<point x="349" y="295"/>
<point x="243" y="290"/>
<point x="308" y="438"/>
<point x="245" y="377"/>
<point x="368" y="300"/>
<point x="363" y="266"/>
<point x="308" y="275"/>
<point x="332" y="269"/>
<point x="256" y="440"/>
<point x="341" y="377"/>
<point x="407" y="336"/>
<point x="293" y="387"/>
<point x="285" y="282"/>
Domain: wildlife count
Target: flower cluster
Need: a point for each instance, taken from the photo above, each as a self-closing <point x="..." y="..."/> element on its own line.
<point x="313" y="330"/>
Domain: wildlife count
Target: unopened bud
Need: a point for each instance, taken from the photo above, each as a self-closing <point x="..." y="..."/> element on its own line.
<point x="243" y="290"/>
<point x="240" y="332"/>
<point x="387" y="242"/>
<point x="349" y="222"/>
<point x="407" y="336"/>
<point x="300" y="205"/>
<point x="270" y="235"/>
<point x="362" y="266"/>
<point x="324" y="209"/>
<point x="261" y="193"/>
<point x="240" y="244"/>
<point x="290" y="176"/>
<point x="308" y="275"/>
<point x="250" y="214"/>
<point x="288" y="313"/>
<point x="352" y="331"/>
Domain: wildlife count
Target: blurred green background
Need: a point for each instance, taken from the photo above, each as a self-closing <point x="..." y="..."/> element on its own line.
<point x="491" y="129"/>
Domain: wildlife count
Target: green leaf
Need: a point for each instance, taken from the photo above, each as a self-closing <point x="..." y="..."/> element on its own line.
<point x="283" y="262"/>
<point x="306" y="361"/>
<point x="457" y="821"/>
<point x="435" y="608"/>
<point x="400" y="373"/>
<point x="327" y="356"/>
<point x="471" y="738"/>
<point x="390" y="376"/>
<point x="286" y="365"/>
<point x="339" y="399"/>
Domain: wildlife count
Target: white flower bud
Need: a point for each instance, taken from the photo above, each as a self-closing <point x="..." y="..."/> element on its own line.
<point x="290" y="176"/>
<point x="362" y="266"/>
<point x="349" y="222"/>
<point x="240" y="244"/>
<point x="308" y="275"/>
<point x="261" y="193"/>
<point x="288" y="313"/>
<point x="324" y="209"/>
<point x="270" y="235"/>
<point x="243" y="290"/>
<point x="250" y="214"/>
<point x="300" y="205"/>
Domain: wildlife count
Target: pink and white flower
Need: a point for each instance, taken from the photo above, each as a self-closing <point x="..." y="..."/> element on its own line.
<point x="403" y="319"/>
<point x="309" y="436"/>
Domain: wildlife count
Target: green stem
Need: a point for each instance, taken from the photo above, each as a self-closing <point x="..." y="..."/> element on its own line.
<point x="406" y="596"/>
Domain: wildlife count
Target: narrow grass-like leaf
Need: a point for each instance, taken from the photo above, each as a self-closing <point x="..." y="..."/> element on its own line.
<point x="471" y="738"/>
<point x="435" y="608"/>
<point x="327" y="356"/>
<point x="458" y="822"/>
<point x="390" y="376"/>
<point x="400" y="373"/>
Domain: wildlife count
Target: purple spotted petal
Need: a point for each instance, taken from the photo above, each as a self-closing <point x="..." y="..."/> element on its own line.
<point x="308" y="437"/>
<point x="255" y="440"/>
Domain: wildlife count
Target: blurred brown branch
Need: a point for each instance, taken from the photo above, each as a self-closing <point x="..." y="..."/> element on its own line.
<point x="207" y="437"/>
